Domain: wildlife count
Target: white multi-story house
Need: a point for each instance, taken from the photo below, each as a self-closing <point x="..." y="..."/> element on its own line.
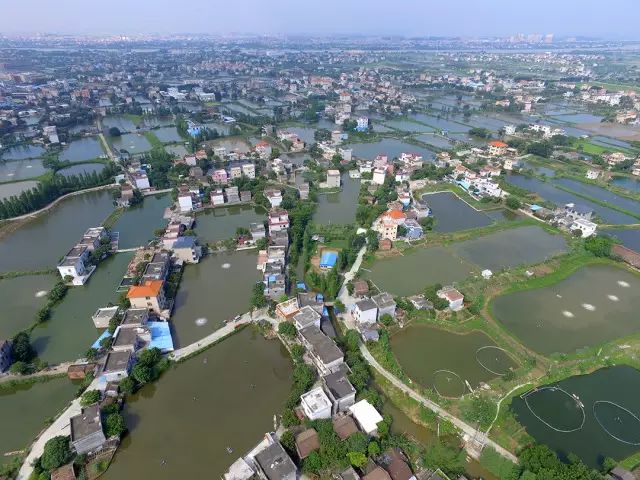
<point x="365" y="312"/>
<point x="316" y="404"/>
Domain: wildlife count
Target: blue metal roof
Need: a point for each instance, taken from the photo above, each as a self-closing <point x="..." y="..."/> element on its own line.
<point x="160" y="336"/>
<point x="184" y="242"/>
<point x="328" y="259"/>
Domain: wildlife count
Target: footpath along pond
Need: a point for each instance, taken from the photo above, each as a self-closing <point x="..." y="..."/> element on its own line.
<point x="593" y="416"/>
<point x="596" y="304"/>
<point x="224" y="398"/>
<point x="446" y="361"/>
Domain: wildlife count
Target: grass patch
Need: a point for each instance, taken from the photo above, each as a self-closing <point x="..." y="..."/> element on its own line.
<point x="497" y="464"/>
<point x="153" y="140"/>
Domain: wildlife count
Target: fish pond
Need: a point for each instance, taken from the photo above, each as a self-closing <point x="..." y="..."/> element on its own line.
<point x="69" y="333"/>
<point x="452" y="214"/>
<point x="167" y="134"/>
<point x="407" y="126"/>
<point x="88" y="148"/>
<point x="449" y="362"/>
<point x="593" y="416"/>
<point x="21" y="298"/>
<point x="632" y="184"/>
<point x="339" y="208"/>
<point x="21" y="169"/>
<point x="22" y="152"/>
<point x="25" y="409"/>
<point x="390" y="147"/>
<point x="630" y="238"/>
<point x="131" y="142"/>
<point x="82" y="168"/>
<point x="595" y="304"/>
<point x="137" y="224"/>
<point x="222" y="400"/>
<point x="216" y="289"/>
<point x="10" y="189"/>
<point x="215" y="224"/>
<point x="61" y="226"/>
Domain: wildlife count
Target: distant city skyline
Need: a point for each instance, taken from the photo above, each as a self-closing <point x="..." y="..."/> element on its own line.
<point x="615" y="19"/>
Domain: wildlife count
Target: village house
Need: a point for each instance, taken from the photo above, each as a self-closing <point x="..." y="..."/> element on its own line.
<point x="385" y="304"/>
<point x="274" y="196"/>
<point x="149" y="295"/>
<point x="378" y="473"/>
<point x="497" y="148"/>
<point x="344" y="426"/>
<point x="75" y="265"/>
<point x="365" y="312"/>
<point x="103" y="316"/>
<point x="187" y="250"/>
<point x="273" y="463"/>
<point x="584" y="226"/>
<point x="387" y="224"/>
<point x="509" y="164"/>
<point x="339" y="390"/>
<point x="232" y="194"/>
<point x="379" y="174"/>
<point x="305" y="317"/>
<point x="287" y="309"/>
<point x="333" y="179"/>
<point x="65" y="472"/>
<point x="307" y="442"/>
<point x="86" y="430"/>
<point x="360" y="288"/>
<point x="366" y="416"/>
<point x="593" y="174"/>
<point x="453" y="296"/>
<point x="220" y="176"/>
<point x="263" y="149"/>
<point x="315" y="404"/>
<point x="574" y="212"/>
<point x="278" y="220"/>
<point x="117" y="366"/>
<point x="5" y="355"/>
<point x="217" y="197"/>
<point x="257" y="231"/>
<point x="325" y="354"/>
<point x="140" y="180"/>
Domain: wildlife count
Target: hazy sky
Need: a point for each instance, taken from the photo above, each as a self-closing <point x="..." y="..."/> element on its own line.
<point x="612" y="18"/>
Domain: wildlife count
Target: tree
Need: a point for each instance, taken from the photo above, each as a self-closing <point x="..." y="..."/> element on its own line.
<point x="373" y="449"/>
<point x="513" y="203"/>
<point x="21" y="349"/>
<point x="142" y="373"/>
<point x="386" y="320"/>
<point x="258" y="300"/>
<point x="481" y="409"/>
<point x="114" y="132"/>
<point x="56" y="453"/>
<point x="127" y="386"/>
<point x="114" y="425"/>
<point x="90" y="397"/>
<point x="449" y="459"/>
<point x="599" y="245"/>
<point x="287" y="330"/>
<point x="357" y="459"/>
<point x="289" y="418"/>
<point x="19" y="368"/>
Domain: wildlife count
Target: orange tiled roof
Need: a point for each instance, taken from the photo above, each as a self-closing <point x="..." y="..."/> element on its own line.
<point x="151" y="288"/>
<point x="395" y="214"/>
<point x="498" y="144"/>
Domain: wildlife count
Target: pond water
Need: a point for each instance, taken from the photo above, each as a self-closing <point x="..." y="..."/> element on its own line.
<point x="232" y="145"/>
<point x="601" y="194"/>
<point x="444" y="361"/>
<point x="22" y="152"/>
<point x="21" y="298"/>
<point x="452" y="214"/>
<point x="118" y="121"/>
<point x="608" y="408"/>
<point x="238" y="108"/>
<point x="215" y="224"/>
<point x="547" y="191"/>
<point x="609" y="142"/>
<point x="137" y="224"/>
<point x="87" y="148"/>
<point x="630" y="238"/>
<point x="406" y="126"/>
<point x="440" y="123"/>
<point x="177" y="150"/>
<point x="435" y="140"/>
<point x="306" y="134"/>
<point x="546" y="171"/>
<point x="339" y="208"/>
<point x="131" y="142"/>
<point x="510" y="248"/>
<point x="595" y="304"/>
<point x="69" y="333"/>
<point x="463" y="137"/>
<point x="167" y="134"/>
<point x="24" y="411"/>
<point x="158" y="121"/>
<point x="411" y="272"/>
<point x="226" y="397"/>
<point x="632" y="184"/>
<point x="223" y="129"/>
<point x="81" y="168"/>
<point x="21" y="169"/>
<point x="390" y="147"/>
<point x="380" y="128"/>
<point x="61" y="226"/>
<point x="216" y="289"/>
<point x="10" y="189"/>
<point x="578" y="118"/>
<point x="492" y="124"/>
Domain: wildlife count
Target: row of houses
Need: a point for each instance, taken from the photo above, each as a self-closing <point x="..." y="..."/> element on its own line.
<point x="75" y="263"/>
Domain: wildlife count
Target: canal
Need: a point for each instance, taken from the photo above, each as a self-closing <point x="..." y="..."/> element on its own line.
<point x="596" y="304"/>
<point x="62" y="227"/>
<point x="226" y="397"/>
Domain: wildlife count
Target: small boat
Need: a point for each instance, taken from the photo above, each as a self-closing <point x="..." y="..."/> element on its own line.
<point x="229" y="450"/>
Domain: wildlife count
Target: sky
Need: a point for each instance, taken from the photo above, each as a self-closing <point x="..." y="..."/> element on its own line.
<point x="468" y="18"/>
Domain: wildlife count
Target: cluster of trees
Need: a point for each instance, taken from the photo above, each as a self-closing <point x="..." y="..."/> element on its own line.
<point x="299" y="217"/>
<point x="55" y="296"/>
<point x="52" y="188"/>
<point x="367" y="213"/>
<point x="431" y="172"/>
<point x="431" y="294"/>
<point x="328" y="283"/>
<point x="22" y="353"/>
<point x="348" y="255"/>
<point x="148" y="368"/>
<point x="258" y="300"/>
<point x="480" y="132"/>
<point x="599" y="245"/>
